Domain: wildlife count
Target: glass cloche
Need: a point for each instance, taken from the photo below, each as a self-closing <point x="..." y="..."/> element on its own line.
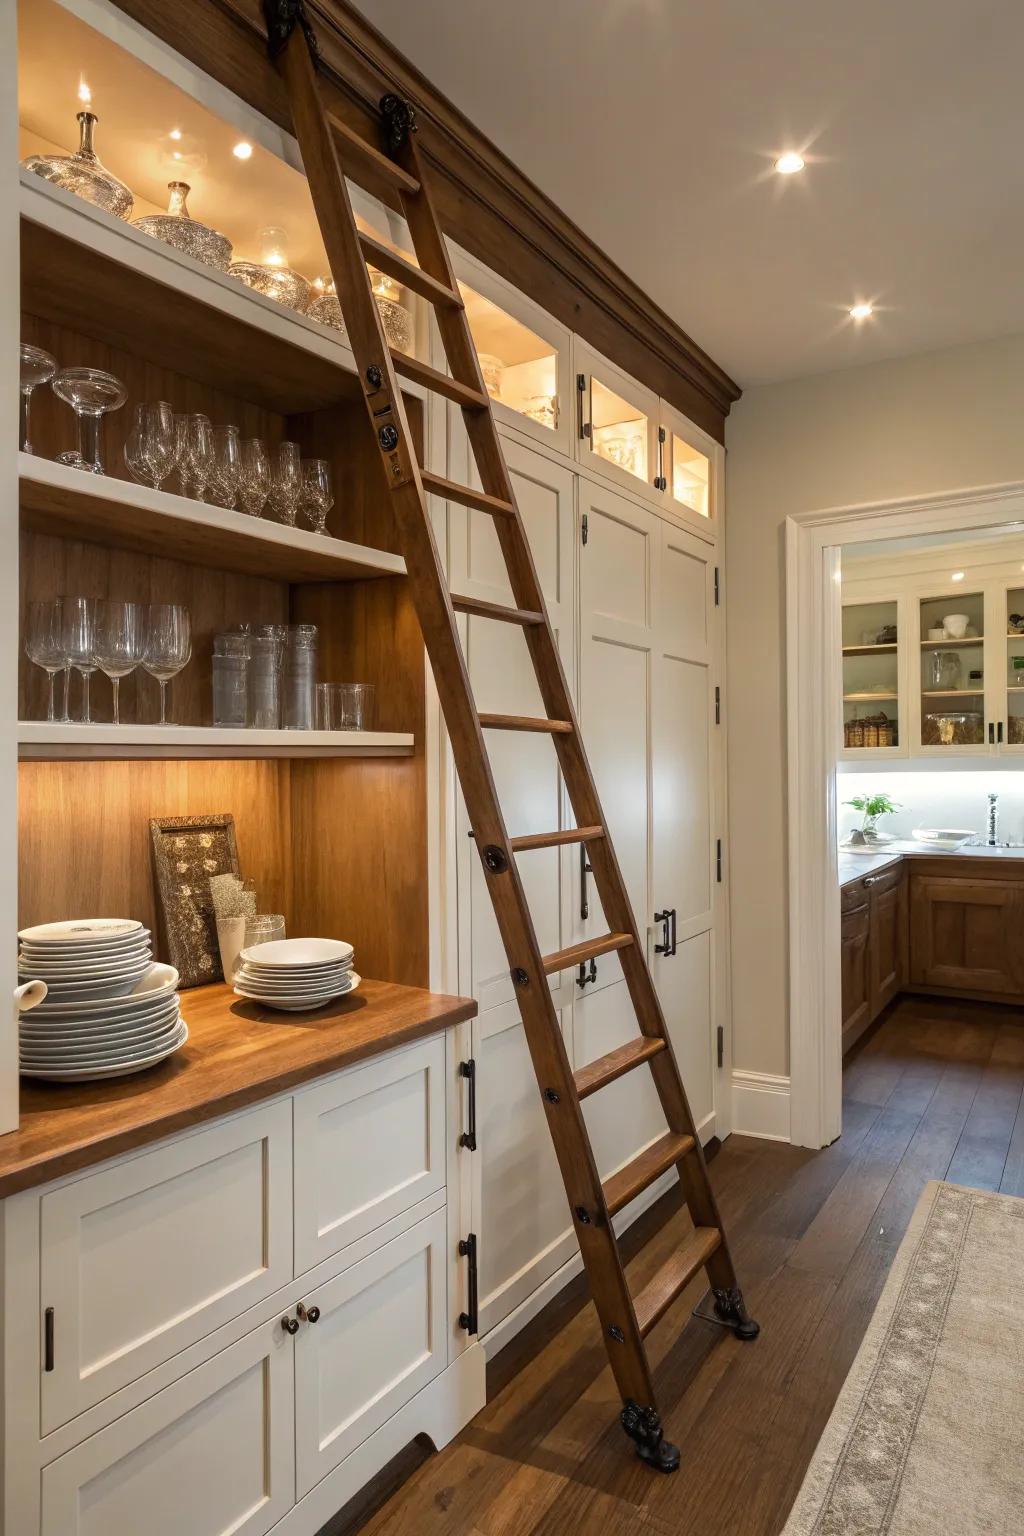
<point x="84" y="173"/>
<point x="271" y="275"/>
<point x="325" y="305"/>
<point x="396" y="319"/>
<point x="178" y="228"/>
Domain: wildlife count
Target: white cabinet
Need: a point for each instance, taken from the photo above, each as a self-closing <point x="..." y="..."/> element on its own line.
<point x="144" y="1257"/>
<point x="616" y="422"/>
<point x="378" y="1338"/>
<point x="211" y="1455"/>
<point x="369" y="1144"/>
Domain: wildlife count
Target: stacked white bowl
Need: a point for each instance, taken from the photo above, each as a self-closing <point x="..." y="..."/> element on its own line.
<point x="296" y="974"/>
<point x="108" y="1011"/>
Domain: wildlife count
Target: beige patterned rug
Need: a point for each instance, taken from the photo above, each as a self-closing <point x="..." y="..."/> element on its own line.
<point x="927" y="1438"/>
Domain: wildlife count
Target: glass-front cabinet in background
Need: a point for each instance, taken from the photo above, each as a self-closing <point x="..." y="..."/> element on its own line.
<point x="690" y="466"/>
<point x="951" y="687"/>
<point x="871" y="681"/>
<point x="617" y="421"/>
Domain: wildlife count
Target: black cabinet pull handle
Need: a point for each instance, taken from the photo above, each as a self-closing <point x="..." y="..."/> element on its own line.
<point x="587" y="973"/>
<point x="308" y="1314"/>
<point x="991" y="734"/>
<point x="467" y="1069"/>
<point x="674" y="943"/>
<point x="290" y="1324"/>
<point x="585" y="870"/>
<point x="999" y="732"/>
<point x="665" y="919"/>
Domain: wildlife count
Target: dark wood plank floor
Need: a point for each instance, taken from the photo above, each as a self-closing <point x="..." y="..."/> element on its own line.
<point x="935" y="1092"/>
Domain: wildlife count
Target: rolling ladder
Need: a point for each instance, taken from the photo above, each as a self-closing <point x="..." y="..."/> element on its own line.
<point x="331" y="150"/>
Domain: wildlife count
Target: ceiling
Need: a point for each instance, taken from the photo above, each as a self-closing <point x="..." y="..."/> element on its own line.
<point x="654" y="125"/>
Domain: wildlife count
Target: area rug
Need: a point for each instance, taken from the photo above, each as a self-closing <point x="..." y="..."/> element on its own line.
<point x="927" y="1436"/>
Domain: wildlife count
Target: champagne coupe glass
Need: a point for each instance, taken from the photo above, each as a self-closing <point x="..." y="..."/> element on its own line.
<point x="227" y="457"/>
<point x="317" y="497"/>
<point x="79" y="634"/>
<point x="254" y="477"/>
<point x="200" y="453"/>
<point x="167" y="647"/>
<point x="44" y="643"/>
<point x="118" y="643"/>
<point x="286" y="482"/>
<point x="91" y="393"/>
<point x="37" y="367"/>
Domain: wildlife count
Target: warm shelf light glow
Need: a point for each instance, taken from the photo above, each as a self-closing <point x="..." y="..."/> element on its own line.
<point x="789" y="163"/>
<point x="242" y="150"/>
<point x="861" y="311"/>
<point x="84" y="94"/>
<point x="175" y="134"/>
<point x="957" y="576"/>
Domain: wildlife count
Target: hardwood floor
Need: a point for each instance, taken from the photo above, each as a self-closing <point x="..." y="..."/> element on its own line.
<point x="935" y="1091"/>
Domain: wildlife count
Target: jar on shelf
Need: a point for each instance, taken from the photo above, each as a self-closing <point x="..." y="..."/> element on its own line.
<point x="947" y="672"/>
<point x="231" y="680"/>
<point x="267" y="644"/>
<point x="299" y="677"/>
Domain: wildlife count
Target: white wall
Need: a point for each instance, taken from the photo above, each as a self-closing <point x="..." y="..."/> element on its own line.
<point x="946" y="799"/>
<point x="920" y="425"/>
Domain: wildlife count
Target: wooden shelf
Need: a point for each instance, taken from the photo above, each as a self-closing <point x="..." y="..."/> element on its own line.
<point x="868" y="698"/>
<point x="101" y="509"/>
<point x="85" y="269"/>
<point x="41" y="740"/>
<point x="947" y="645"/>
<point x="870" y="650"/>
<point x="952" y="693"/>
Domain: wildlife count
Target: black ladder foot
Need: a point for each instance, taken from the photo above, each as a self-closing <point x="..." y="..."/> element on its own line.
<point x="643" y="1426"/>
<point x="730" y="1309"/>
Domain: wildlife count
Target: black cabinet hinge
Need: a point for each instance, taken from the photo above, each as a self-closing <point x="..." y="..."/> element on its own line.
<point x="48" y="1339"/>
<point x="721" y="1046"/>
<point x="718" y="705"/>
<point x="467" y="1250"/>
<point x="467" y="1069"/>
<point x="718" y="860"/>
<point x="718" y="588"/>
<point x="585" y="528"/>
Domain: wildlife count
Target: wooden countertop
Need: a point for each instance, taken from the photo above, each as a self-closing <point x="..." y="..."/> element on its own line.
<point x="237" y="1053"/>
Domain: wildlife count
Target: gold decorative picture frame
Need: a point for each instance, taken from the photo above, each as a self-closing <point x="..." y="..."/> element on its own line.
<point x="187" y="850"/>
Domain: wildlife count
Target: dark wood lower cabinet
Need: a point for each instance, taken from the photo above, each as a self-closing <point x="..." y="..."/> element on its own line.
<point x="967" y="930"/>
<point x="873" y="943"/>
<point x="856" y="930"/>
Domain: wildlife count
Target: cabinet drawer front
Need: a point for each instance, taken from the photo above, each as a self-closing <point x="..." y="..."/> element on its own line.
<point x="852" y="895"/>
<point x="212" y="1455"/>
<point x="380" y="1337"/>
<point x="147" y="1256"/>
<point x="369" y="1144"/>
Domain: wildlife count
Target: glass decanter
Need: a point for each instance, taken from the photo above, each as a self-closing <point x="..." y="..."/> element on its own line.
<point x="271" y="275"/>
<point x="177" y="227"/>
<point x="84" y="173"/>
<point x="326" y="306"/>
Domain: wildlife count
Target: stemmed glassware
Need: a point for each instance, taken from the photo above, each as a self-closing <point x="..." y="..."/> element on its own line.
<point x="226" y="466"/>
<point x="286" y="482"/>
<point x="37" y="367"/>
<point x="201" y="454"/>
<point x="254" y="477"/>
<point x="119" y="643"/>
<point x="168" y="646"/>
<point x="317" y="497"/>
<point x="79" y="630"/>
<point x="151" y="449"/>
<point x="44" y="645"/>
<point x="91" y="393"/>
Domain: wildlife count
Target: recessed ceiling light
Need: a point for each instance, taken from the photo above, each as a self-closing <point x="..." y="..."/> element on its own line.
<point x="789" y="163"/>
<point x="242" y="150"/>
<point x="861" y="311"/>
<point x="956" y="576"/>
<point x="175" y="134"/>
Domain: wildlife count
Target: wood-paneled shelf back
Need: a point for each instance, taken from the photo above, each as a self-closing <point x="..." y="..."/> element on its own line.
<point x="484" y="202"/>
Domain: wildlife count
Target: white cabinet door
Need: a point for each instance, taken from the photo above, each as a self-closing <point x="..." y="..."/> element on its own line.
<point x="380" y="1337"/>
<point x="369" y="1144"/>
<point x="684" y="869"/>
<point x="146" y="1256"/>
<point x="211" y="1455"/>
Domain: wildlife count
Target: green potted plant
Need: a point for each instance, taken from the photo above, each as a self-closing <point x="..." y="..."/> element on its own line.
<point x="872" y="807"/>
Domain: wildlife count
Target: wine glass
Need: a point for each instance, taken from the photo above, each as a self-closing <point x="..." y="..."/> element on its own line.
<point x="118" y="643"/>
<point x="79" y="634"/>
<point x="37" y="367"/>
<point x="44" y="644"/>
<point x="226" y="466"/>
<point x="134" y="447"/>
<point x="317" y="497"/>
<point x="167" y="646"/>
<point x="91" y="393"/>
<point x="183" y="454"/>
<point x="286" y="482"/>
<point x="254" y="477"/>
<point x="201" y="456"/>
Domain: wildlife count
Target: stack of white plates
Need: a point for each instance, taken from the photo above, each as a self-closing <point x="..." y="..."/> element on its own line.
<point x="296" y="974"/>
<point x="108" y="1009"/>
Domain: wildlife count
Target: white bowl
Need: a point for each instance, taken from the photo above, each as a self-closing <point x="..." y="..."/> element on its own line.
<point x="955" y="624"/>
<point x="95" y="969"/>
<point x="297" y="952"/>
<point x="63" y="1035"/>
<point x="158" y="980"/>
<point x="296" y="1004"/>
<point x="81" y="930"/>
<point x="953" y="836"/>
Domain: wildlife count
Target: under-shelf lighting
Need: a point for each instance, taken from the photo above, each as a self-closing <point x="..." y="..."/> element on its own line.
<point x="789" y="163"/>
<point x="84" y="94"/>
<point x="956" y="576"/>
<point x="175" y="134"/>
<point x="242" y="150"/>
<point x="861" y="311"/>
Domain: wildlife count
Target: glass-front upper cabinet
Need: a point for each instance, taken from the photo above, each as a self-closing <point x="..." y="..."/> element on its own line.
<point x="616" y="422"/>
<point x="690" y="470"/>
<point x="523" y="352"/>
<point x="871" y="678"/>
<point x="952" y="671"/>
<point x="1014" y="683"/>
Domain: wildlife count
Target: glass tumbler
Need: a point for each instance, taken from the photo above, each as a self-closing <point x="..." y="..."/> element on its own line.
<point x="266" y="655"/>
<point x="299" y="677"/>
<point x="231" y="680"/>
<point x="264" y="928"/>
<point x="353" y="707"/>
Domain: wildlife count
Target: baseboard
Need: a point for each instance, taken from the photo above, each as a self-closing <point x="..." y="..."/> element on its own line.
<point x="760" y="1105"/>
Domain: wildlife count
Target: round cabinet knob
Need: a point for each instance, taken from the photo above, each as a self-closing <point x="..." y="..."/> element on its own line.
<point x="290" y="1324"/>
<point x="308" y="1314"/>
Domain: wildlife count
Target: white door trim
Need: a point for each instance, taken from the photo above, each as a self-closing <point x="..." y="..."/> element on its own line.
<point x="813" y="686"/>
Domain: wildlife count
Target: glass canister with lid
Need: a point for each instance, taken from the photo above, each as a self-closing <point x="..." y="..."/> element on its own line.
<point x="267" y="654"/>
<point x="231" y="679"/>
<point x="299" y="689"/>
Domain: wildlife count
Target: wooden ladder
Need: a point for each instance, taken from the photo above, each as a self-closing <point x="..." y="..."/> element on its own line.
<point x="331" y="150"/>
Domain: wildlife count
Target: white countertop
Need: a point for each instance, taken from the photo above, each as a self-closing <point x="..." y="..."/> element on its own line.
<point x="854" y="866"/>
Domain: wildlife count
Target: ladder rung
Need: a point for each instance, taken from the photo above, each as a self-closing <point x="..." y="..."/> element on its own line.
<point x="355" y="144"/>
<point x="576" y="954"/>
<point x="638" y="1175"/>
<point x="597" y="1074"/>
<point x="555" y="839"/>
<point x="484" y="610"/>
<point x="525" y="723"/>
<point x="440" y="383"/>
<point x="465" y="495"/>
<point x="389" y="261"/>
<point x="674" y="1276"/>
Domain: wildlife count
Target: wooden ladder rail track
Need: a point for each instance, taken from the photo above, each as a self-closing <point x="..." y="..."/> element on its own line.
<point x="330" y="150"/>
